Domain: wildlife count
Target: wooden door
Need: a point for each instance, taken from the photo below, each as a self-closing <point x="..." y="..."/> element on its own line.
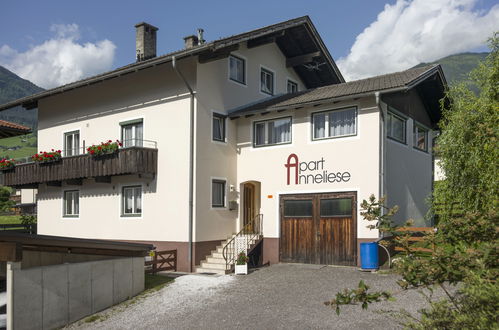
<point x="249" y="203"/>
<point x="319" y="228"/>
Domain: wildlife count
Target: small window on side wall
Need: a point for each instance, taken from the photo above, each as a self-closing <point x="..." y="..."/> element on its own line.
<point x="420" y="138"/>
<point x="396" y="127"/>
<point x="292" y="87"/>
<point x="237" y="69"/>
<point x="71" y="207"/>
<point x="218" y="127"/>
<point x="267" y="82"/>
<point x="218" y="193"/>
<point x="131" y="201"/>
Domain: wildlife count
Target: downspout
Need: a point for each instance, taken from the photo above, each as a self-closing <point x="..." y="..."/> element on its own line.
<point x="382" y="163"/>
<point x="191" y="160"/>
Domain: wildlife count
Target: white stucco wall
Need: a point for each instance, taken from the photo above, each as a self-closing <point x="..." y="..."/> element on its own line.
<point x="358" y="155"/>
<point x="216" y="93"/>
<point x="159" y="98"/>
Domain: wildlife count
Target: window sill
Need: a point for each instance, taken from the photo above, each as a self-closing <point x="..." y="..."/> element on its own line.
<point x="242" y="84"/>
<point x="421" y="150"/>
<point x="131" y="215"/>
<point x="271" y="145"/>
<point x="333" y="137"/>
<point x="396" y="140"/>
<point x="71" y="216"/>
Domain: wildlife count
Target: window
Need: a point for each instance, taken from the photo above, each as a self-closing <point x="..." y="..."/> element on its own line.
<point x="217" y="193"/>
<point x="335" y="123"/>
<point x="132" y="133"/>
<point x="269" y="132"/>
<point x="337" y="207"/>
<point x="292" y="87"/>
<point x="298" y="208"/>
<point x="395" y="127"/>
<point x="420" y="137"/>
<point x="267" y="82"/>
<point x="218" y="127"/>
<point x="237" y="69"/>
<point x="71" y="143"/>
<point x="71" y="200"/>
<point x="131" y="201"/>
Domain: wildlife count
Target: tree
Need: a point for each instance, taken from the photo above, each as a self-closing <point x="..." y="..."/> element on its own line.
<point x="5" y="203"/>
<point x="465" y="244"/>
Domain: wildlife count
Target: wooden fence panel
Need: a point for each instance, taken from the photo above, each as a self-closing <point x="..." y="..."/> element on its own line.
<point x="162" y="261"/>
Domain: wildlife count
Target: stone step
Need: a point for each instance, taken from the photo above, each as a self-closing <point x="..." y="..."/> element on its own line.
<point x="217" y="255"/>
<point x="215" y="260"/>
<point x="211" y="271"/>
<point x="210" y="265"/>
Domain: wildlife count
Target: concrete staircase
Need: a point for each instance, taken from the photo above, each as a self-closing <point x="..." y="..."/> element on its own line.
<point x="215" y="263"/>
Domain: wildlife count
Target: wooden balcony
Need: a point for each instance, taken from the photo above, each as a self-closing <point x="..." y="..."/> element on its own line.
<point x="133" y="160"/>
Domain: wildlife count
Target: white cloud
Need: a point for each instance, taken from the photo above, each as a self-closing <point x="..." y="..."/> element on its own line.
<point x="59" y="60"/>
<point x="410" y="32"/>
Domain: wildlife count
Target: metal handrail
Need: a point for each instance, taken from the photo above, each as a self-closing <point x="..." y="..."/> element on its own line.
<point x="252" y="232"/>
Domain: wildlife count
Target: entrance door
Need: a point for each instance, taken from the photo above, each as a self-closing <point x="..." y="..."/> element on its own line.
<point x="249" y="203"/>
<point x="319" y="228"/>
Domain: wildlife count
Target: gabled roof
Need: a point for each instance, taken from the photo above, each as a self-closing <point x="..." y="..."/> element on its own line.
<point x="297" y="38"/>
<point x="391" y="82"/>
<point x="8" y="129"/>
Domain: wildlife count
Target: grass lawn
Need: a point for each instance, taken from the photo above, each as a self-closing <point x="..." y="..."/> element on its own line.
<point x="9" y="219"/>
<point x="156" y="282"/>
<point x="25" y="146"/>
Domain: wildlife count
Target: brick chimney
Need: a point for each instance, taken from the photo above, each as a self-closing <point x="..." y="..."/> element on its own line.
<point x="145" y="41"/>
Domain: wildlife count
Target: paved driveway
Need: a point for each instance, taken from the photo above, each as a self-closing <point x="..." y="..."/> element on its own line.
<point x="283" y="296"/>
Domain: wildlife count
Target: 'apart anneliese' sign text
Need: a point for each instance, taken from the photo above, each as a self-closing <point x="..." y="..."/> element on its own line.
<point x="312" y="172"/>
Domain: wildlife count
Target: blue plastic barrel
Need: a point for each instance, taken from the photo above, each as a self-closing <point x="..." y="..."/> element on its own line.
<point x="369" y="255"/>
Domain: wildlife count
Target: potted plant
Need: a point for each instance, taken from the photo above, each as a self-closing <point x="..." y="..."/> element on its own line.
<point x="104" y="148"/>
<point x="242" y="264"/>
<point x="6" y="164"/>
<point x="47" y="157"/>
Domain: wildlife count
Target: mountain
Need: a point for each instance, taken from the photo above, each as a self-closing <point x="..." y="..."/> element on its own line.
<point x="13" y="87"/>
<point x="457" y="67"/>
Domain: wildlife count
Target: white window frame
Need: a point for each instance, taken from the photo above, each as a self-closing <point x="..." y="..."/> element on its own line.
<point x="395" y="114"/>
<point x="122" y="201"/>
<point x="75" y="151"/>
<point x="290" y="81"/>
<point x="222" y="117"/>
<point x="266" y="122"/>
<point x="218" y="180"/>
<point x="416" y="125"/>
<point x="326" y="124"/>
<point x="129" y="122"/>
<point x="245" y="71"/>
<point x="267" y="70"/>
<point x="76" y="202"/>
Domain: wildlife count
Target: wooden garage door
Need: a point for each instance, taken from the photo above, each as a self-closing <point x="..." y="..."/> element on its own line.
<point x="319" y="228"/>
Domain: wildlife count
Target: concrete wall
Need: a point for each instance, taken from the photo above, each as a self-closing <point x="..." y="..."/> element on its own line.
<point x="52" y="296"/>
<point x="358" y="155"/>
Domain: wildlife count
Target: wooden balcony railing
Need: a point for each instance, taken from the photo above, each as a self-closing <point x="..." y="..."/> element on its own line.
<point x="133" y="160"/>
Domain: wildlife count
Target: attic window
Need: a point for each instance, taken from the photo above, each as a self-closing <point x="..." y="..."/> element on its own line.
<point x="237" y="70"/>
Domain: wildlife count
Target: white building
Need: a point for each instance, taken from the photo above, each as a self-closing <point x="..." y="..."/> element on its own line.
<point x="260" y="123"/>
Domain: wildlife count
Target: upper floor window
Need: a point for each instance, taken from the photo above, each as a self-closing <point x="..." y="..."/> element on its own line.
<point x="218" y="127"/>
<point x="217" y="193"/>
<point x="270" y="132"/>
<point x="131" y="201"/>
<point x="71" y="200"/>
<point x="237" y="69"/>
<point x="292" y="87"/>
<point x="420" y="137"/>
<point x="267" y="81"/>
<point x="132" y="133"/>
<point x="71" y="143"/>
<point x="336" y="123"/>
<point x="396" y="127"/>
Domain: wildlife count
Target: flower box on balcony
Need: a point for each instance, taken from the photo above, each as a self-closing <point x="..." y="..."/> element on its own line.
<point x="105" y="148"/>
<point x="44" y="157"/>
<point x="6" y="164"/>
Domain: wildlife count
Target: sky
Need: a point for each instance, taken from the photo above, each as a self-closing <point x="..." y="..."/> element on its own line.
<point x="55" y="42"/>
